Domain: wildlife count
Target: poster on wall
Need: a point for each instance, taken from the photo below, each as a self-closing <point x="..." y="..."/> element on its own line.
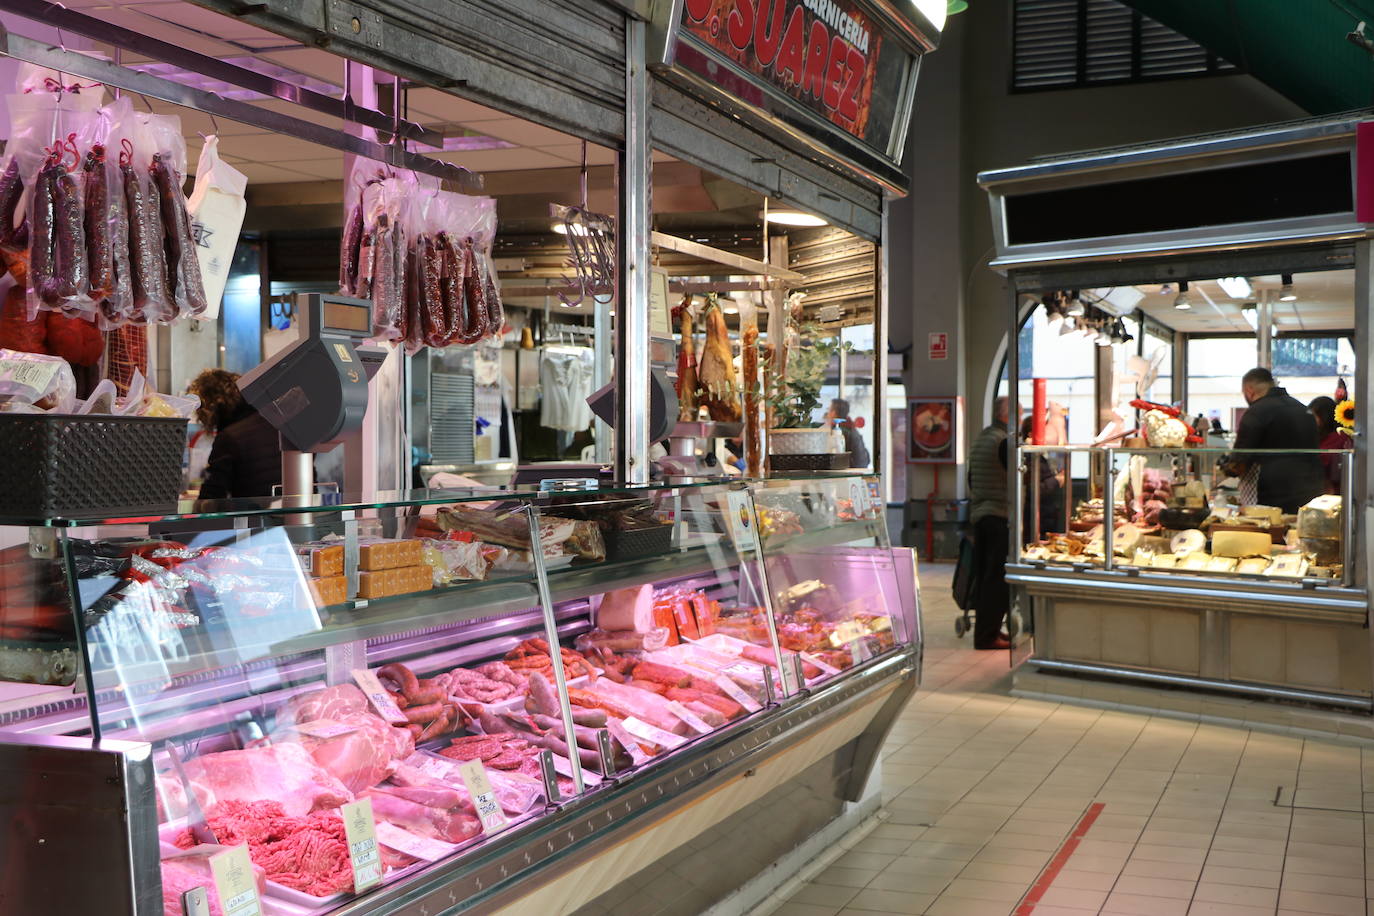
<point x="934" y="430"/>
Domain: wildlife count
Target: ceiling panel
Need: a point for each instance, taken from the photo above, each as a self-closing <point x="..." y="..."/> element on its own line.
<point x="1325" y="302"/>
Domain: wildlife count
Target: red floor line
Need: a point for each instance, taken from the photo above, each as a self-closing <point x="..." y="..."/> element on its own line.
<point x="1061" y="858"/>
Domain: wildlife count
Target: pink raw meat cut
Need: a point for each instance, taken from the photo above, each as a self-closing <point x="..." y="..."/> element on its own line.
<point x="183" y="873"/>
<point x="450" y="824"/>
<point x="516" y="793"/>
<point x="308" y="854"/>
<point x="284" y="772"/>
<point x="328" y="703"/>
<point x="500" y="671"/>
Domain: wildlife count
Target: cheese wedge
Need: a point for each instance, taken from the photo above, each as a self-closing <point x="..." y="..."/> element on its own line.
<point x="1241" y="544"/>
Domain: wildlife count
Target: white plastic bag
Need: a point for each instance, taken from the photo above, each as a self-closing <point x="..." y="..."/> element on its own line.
<point x="217" y="208"/>
<point x="32" y="382"/>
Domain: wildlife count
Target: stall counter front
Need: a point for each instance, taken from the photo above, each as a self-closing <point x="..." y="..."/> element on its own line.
<point x="445" y="702"/>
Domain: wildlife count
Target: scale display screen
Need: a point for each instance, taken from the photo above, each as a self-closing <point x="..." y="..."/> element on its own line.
<point x="344" y="317"/>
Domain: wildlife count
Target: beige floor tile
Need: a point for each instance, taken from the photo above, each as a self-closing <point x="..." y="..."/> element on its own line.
<point x="995" y="871"/>
<point x="1204" y="908"/>
<point x="1236" y="894"/>
<point x="873" y="860"/>
<point x="1000" y="855"/>
<point x="1157" y="853"/>
<point x="909" y="882"/>
<point x="1023" y="841"/>
<point x="1326" y="884"/>
<point x="1001" y="891"/>
<point x="789" y="908"/>
<point x="824" y="895"/>
<point x="927" y="849"/>
<point x="846" y="877"/>
<point x="1352" y="853"/>
<point x="1229" y="859"/>
<point x="966" y="906"/>
<point x="1176" y="871"/>
<point x="896" y="902"/>
<point x="1072" y="897"/>
<point x="1326" y="904"/>
<point x="1338" y="867"/>
<point x="1175" y="838"/>
<point x="907" y="832"/>
<point x="1111" y="865"/>
<point x="1246" y="844"/>
<point x="1133" y="905"/>
<point x="1042" y="910"/>
<point x="882" y="845"/>
<point x="1084" y="880"/>
<point x="1154" y="887"/>
<point x="1243" y="877"/>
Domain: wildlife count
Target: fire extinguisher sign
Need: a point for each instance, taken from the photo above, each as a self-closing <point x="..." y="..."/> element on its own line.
<point x="939" y="345"/>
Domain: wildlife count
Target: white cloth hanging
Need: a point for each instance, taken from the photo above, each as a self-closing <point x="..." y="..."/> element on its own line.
<point x="565" y="377"/>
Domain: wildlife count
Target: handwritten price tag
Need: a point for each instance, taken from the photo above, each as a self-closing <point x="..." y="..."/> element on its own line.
<point x="238" y="889"/>
<point x="729" y="688"/>
<point x="627" y="741"/>
<point x="421" y="847"/>
<point x="812" y="660"/>
<point x="693" y="721"/>
<point x="483" y="796"/>
<point x="324" y="729"/>
<point x="361" y="831"/>
<point x="377" y="695"/>
<point x="858" y="651"/>
<point x="652" y="733"/>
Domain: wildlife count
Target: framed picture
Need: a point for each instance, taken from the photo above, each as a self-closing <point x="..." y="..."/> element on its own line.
<point x="933" y="430"/>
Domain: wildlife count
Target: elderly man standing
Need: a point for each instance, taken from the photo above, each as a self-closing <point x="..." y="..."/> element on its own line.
<point x="987" y="479"/>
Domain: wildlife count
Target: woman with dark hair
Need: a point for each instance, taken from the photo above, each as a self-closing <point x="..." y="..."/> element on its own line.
<point x="245" y="460"/>
<point x="1323" y="409"/>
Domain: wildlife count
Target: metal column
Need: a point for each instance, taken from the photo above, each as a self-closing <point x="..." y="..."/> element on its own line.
<point x="1359" y="501"/>
<point x="880" y="325"/>
<point x="632" y="315"/>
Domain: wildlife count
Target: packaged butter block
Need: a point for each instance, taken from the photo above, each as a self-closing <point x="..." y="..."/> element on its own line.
<point x="1321" y="518"/>
<point x="384" y="554"/>
<point x="410" y="579"/>
<point x="379" y="583"/>
<point x="328" y="591"/>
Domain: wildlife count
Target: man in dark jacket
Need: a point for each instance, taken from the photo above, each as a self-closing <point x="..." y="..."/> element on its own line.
<point x="987" y="477"/>
<point x="1275" y="420"/>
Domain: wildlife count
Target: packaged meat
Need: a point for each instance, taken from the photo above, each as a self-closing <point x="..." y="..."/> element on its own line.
<point x="186" y="872"/>
<point x="627" y="609"/>
<point x="283" y="772"/>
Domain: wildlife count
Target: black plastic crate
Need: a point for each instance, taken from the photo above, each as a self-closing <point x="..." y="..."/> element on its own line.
<point x="637" y="542"/>
<point x="62" y="465"/>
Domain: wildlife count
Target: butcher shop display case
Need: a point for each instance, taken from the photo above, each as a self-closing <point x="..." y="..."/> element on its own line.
<point x="1187" y="511"/>
<point x="424" y="696"/>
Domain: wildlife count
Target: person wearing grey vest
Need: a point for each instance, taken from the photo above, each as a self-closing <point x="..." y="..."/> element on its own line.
<point x="987" y="481"/>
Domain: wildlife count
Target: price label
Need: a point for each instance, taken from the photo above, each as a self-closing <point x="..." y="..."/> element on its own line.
<point x="812" y="660"/>
<point x="419" y="847"/>
<point x="232" y="871"/>
<point x="627" y="741"/>
<point x="740" y="520"/>
<point x="564" y="768"/>
<point x="361" y="832"/>
<point x="858" y="651"/>
<point x="694" y="721"/>
<point x="379" y="698"/>
<point x="789" y="676"/>
<point x="474" y="777"/>
<point x="324" y="728"/>
<point x="858" y="496"/>
<point x="653" y="734"/>
<point x="731" y="690"/>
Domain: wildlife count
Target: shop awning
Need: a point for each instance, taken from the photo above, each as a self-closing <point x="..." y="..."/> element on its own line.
<point x="1297" y="47"/>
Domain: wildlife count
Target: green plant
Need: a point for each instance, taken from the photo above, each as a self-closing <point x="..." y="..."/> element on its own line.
<point x="794" y="399"/>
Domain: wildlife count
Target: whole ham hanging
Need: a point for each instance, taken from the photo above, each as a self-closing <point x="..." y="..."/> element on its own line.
<point x="719" y="384"/>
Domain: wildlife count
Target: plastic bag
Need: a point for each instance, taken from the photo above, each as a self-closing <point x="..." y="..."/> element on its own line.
<point x="32" y="382"/>
<point x="150" y="299"/>
<point x="386" y="239"/>
<point x="167" y="170"/>
<point x="79" y="93"/>
<point x="351" y="262"/>
<point x="217" y="207"/>
<point x="117" y="307"/>
<point x="59" y="270"/>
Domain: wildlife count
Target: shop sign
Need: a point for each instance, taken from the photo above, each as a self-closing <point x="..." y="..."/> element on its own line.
<point x="939" y="345"/>
<point x="832" y="60"/>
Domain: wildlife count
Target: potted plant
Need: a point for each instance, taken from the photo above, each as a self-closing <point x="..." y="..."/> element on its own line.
<point x="795" y="396"/>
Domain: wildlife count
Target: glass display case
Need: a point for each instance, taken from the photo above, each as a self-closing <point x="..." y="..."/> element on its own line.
<point x="1188" y="511"/>
<point x="447" y="669"/>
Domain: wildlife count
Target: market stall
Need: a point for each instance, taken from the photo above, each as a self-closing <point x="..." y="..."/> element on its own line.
<point x="354" y="697"/>
<point x="1150" y="544"/>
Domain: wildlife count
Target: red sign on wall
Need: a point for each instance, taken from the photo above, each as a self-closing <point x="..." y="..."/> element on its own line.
<point x="827" y="56"/>
<point x="939" y="345"/>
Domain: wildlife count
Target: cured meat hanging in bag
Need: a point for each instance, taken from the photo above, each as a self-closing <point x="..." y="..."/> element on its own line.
<point x="183" y="264"/>
<point x="147" y="256"/>
<point x="58" y="271"/>
<point x="99" y="246"/>
<point x="12" y="237"/>
<point x="719" y="386"/>
<point x="475" y="316"/>
<point x="687" y="383"/>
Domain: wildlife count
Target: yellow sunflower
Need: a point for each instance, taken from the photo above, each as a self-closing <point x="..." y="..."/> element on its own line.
<point x="1345" y="414"/>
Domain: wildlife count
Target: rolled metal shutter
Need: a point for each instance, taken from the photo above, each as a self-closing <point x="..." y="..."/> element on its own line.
<point x="556" y="62"/>
<point x="701" y="134"/>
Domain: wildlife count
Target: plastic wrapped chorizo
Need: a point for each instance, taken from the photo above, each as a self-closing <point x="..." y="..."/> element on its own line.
<point x="167" y="168"/>
<point x="147" y="255"/>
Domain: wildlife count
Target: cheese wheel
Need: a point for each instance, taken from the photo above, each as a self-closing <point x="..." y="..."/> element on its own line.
<point x="1165" y="561"/>
<point x="1241" y="544"/>
<point x="1272" y="514"/>
<point x="1126" y="539"/>
<point x="1186" y="542"/>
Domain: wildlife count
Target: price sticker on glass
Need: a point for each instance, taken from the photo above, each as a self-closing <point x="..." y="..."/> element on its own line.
<point x="474" y="777"/>
<point x="361" y="832"/>
<point x="238" y="889"/>
<point x="378" y="696"/>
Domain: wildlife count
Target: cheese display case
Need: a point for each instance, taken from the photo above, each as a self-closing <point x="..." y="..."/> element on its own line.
<point x="428" y="701"/>
<point x="1183" y="511"/>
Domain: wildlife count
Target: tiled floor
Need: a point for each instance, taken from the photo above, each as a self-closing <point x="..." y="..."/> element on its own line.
<point x="1196" y="819"/>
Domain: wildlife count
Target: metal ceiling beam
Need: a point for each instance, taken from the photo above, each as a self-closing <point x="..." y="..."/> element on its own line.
<point x="59" y="17"/>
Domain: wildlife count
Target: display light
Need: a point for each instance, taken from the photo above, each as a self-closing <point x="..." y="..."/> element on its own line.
<point x="1236" y="287"/>
<point x="1181" y="301"/>
<point x="1287" y="294"/>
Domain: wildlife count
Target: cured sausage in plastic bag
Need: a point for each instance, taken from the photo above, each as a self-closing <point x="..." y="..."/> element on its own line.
<point x="183" y="263"/>
<point x="96" y="199"/>
<point x="147" y="257"/>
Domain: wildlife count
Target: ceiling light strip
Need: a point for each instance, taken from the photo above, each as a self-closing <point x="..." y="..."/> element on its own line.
<point x="45" y="55"/>
<point x="59" y="17"/>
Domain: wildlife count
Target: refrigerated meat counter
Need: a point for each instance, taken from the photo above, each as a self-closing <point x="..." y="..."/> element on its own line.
<point x="446" y="702"/>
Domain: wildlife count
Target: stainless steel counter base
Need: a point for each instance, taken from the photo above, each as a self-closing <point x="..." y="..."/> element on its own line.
<point x="1262" y="639"/>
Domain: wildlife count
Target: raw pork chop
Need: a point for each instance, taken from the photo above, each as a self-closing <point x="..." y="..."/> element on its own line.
<point x="285" y="773"/>
<point x="360" y="758"/>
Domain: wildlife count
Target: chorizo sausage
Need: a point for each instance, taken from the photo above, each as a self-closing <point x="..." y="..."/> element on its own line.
<point x="404" y="679"/>
<point x="96" y="192"/>
<point x="41" y="222"/>
<point x="11" y="191"/>
<point x="351" y="249"/>
<point x="475" y="311"/>
<point x="184" y="279"/>
<point x="147" y="256"/>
